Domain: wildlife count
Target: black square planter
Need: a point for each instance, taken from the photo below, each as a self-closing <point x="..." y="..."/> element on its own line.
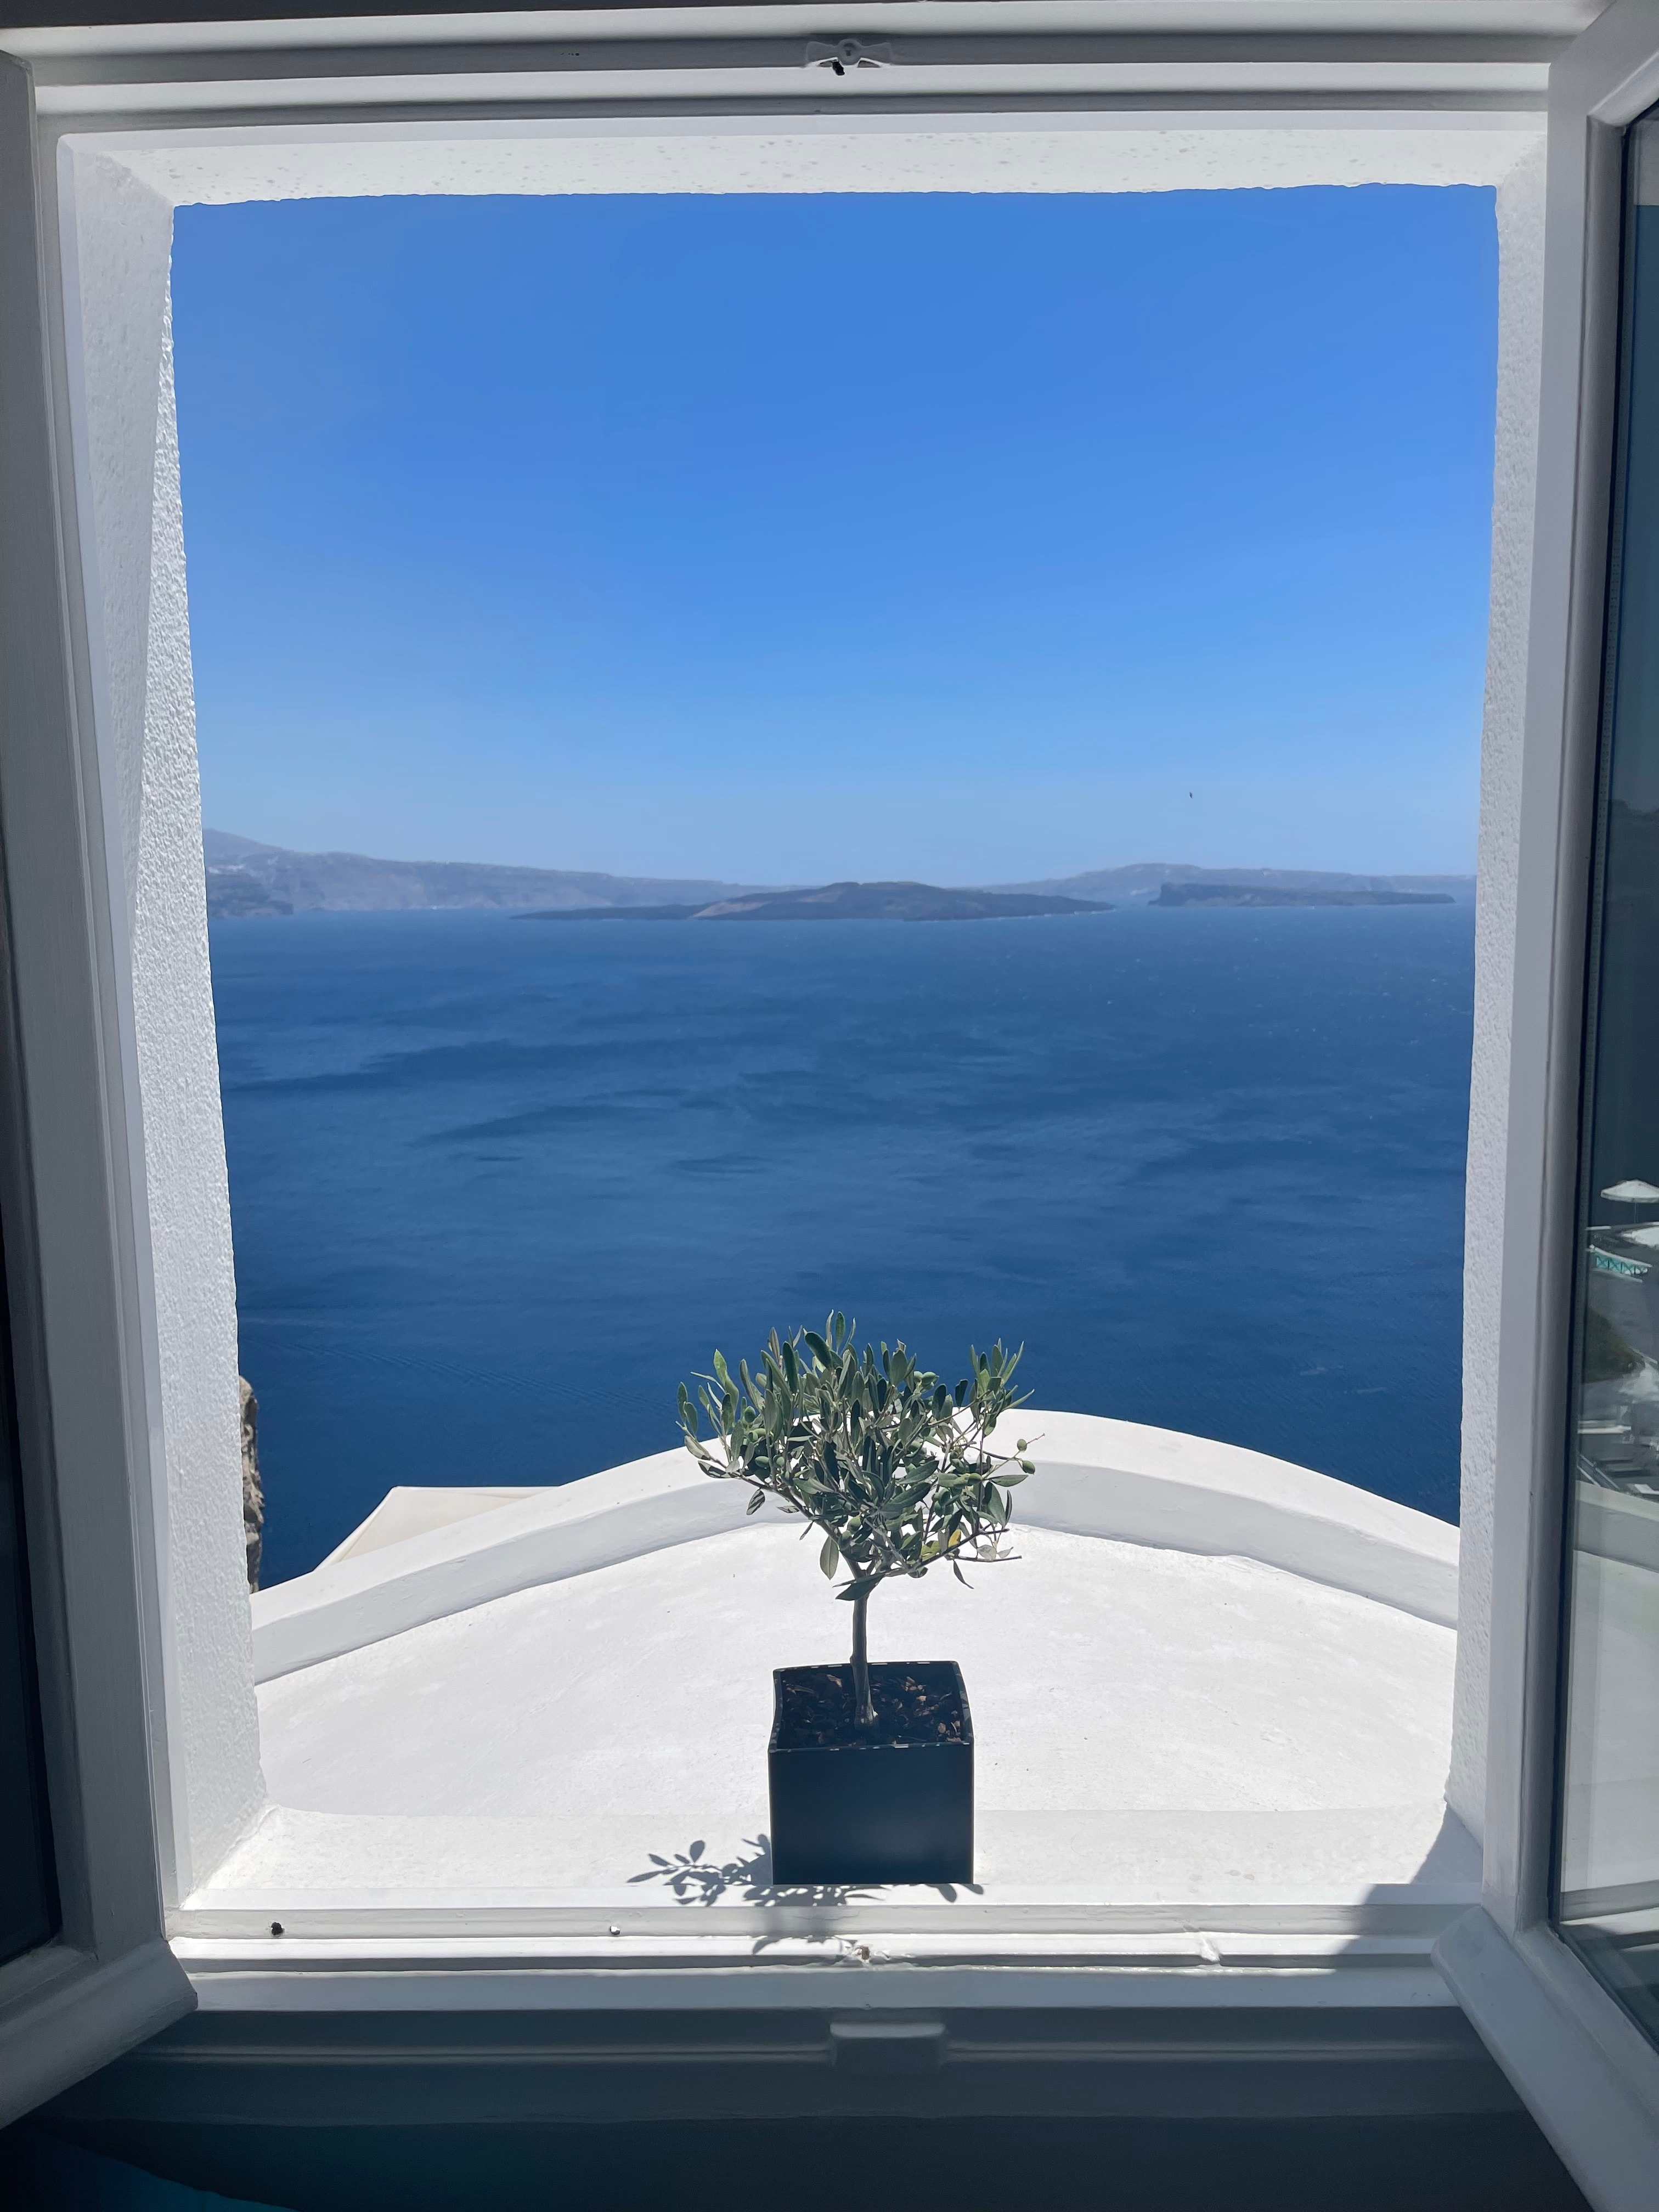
<point x="891" y="1804"/>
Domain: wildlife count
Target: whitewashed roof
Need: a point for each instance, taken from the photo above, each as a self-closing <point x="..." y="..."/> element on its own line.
<point x="1240" y="1714"/>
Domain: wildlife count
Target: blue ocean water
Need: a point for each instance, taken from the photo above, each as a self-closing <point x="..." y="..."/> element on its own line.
<point x="498" y="1185"/>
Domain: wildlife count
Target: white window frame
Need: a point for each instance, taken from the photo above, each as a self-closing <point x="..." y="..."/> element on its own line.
<point x="1588" y="2075"/>
<point x="109" y="1978"/>
<point x="91" y="706"/>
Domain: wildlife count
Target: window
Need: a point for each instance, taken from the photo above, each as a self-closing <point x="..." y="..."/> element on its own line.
<point x="138" y="686"/>
<point x="1200" y="497"/>
<point x="112" y="974"/>
<point x="1606" y="1876"/>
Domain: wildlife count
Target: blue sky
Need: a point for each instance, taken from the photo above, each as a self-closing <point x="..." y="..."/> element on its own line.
<point x="968" y="537"/>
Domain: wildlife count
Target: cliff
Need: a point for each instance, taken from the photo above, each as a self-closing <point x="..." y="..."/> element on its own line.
<point x="253" y="1496"/>
<point x="244" y="877"/>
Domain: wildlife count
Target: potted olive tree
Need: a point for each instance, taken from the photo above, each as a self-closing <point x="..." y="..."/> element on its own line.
<point x="870" y="1767"/>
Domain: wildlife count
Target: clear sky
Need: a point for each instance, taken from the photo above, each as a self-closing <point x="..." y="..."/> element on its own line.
<point x="968" y="537"/>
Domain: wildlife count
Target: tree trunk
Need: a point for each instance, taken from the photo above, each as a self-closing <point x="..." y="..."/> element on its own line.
<point x="864" y="1711"/>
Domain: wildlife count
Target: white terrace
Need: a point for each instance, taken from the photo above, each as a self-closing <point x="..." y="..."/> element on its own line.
<point x="1210" y="1679"/>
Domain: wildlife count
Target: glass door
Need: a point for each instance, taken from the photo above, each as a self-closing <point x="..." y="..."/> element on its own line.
<point x="1606" y="1886"/>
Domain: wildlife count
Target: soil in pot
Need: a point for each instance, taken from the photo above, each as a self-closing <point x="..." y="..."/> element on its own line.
<point x="894" y="1802"/>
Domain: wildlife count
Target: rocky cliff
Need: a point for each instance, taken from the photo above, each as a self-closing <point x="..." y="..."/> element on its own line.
<point x="253" y="1496"/>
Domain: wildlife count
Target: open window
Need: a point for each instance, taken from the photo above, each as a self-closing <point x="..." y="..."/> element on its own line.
<point x="85" y="1970"/>
<point x="116" y="1232"/>
<point x="1558" y="1968"/>
<point x="1605" y="1891"/>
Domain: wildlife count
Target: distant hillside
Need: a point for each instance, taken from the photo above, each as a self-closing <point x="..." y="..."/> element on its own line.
<point x="1203" y="892"/>
<point x="1141" y="881"/>
<point x="844" y="902"/>
<point x="244" y="877"/>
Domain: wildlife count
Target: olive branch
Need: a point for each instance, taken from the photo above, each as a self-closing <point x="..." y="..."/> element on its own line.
<point x="896" y="1467"/>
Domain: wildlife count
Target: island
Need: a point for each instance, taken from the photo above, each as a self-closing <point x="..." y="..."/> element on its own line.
<point x="844" y="902"/>
<point x="1209" y="894"/>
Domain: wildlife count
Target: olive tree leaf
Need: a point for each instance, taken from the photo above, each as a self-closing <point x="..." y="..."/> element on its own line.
<point x="867" y="1445"/>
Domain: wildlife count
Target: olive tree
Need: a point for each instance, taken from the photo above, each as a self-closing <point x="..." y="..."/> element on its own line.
<point x="895" y="1467"/>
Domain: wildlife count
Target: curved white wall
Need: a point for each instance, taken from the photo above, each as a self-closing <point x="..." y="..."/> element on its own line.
<point x="1094" y="1478"/>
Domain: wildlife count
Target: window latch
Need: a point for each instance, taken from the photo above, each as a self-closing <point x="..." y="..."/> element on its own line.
<point x="840" y="55"/>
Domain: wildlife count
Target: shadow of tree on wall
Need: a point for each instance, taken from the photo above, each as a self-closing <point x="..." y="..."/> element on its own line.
<point x="694" y="1878"/>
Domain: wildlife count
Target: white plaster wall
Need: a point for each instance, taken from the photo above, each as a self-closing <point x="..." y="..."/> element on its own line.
<point x="1515" y="470"/>
<point x="122" y="247"/>
<point x="190" y="1232"/>
<point x="1099" y="152"/>
<point x="147" y="735"/>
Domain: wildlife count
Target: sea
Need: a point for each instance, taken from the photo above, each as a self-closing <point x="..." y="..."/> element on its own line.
<point x="499" y="1185"/>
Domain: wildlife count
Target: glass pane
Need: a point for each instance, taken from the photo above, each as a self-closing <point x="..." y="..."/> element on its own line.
<point x="28" y="1887"/>
<point x="1608" y="1865"/>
